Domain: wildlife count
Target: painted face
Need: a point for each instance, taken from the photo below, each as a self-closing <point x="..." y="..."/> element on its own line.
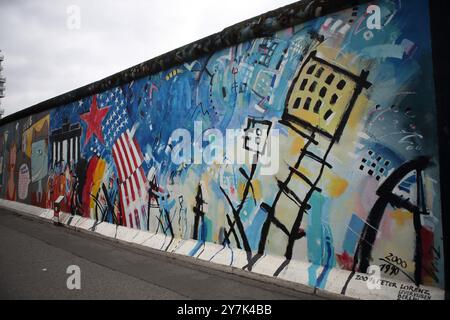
<point x="39" y="160"/>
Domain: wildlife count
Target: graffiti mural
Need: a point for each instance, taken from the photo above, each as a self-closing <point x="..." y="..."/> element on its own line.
<point x="358" y="176"/>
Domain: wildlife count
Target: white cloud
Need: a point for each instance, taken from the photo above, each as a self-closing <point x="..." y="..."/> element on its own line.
<point x="44" y="58"/>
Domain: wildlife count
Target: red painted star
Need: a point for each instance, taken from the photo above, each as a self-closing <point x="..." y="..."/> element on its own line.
<point x="94" y="119"/>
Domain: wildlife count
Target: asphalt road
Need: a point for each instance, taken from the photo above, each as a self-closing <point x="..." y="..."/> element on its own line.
<point x="35" y="255"/>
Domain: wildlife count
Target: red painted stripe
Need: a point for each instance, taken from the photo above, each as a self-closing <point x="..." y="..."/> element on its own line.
<point x="143" y="181"/>
<point x="126" y="153"/>
<point x="122" y="158"/>
<point x="133" y="192"/>
<point x="116" y="162"/>
<point x="122" y="207"/>
<point x="138" y="185"/>
<point x="130" y="150"/>
<point x="139" y="151"/>
<point x="126" y="193"/>
<point x="131" y="220"/>
<point x="138" y="221"/>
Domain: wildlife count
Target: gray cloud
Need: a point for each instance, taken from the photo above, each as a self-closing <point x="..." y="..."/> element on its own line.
<point x="44" y="58"/>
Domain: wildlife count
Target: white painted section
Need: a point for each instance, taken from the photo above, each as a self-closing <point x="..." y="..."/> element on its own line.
<point x="141" y="237"/>
<point x="82" y="224"/>
<point x="54" y="152"/>
<point x="187" y="246"/>
<point x="209" y="250"/>
<point x="74" y="221"/>
<point x="296" y="271"/>
<point x="268" y="265"/>
<point x="344" y="29"/>
<point x="174" y="245"/>
<point x="390" y="289"/>
<point x="106" y="229"/>
<point x="336" y="25"/>
<point x="64" y="217"/>
<point x="225" y="256"/>
<point x="126" y="234"/>
<point x="71" y="141"/>
<point x="48" y="214"/>
<point x="86" y="224"/>
<point x="155" y="241"/>
<point x="64" y="150"/>
<point x="75" y="157"/>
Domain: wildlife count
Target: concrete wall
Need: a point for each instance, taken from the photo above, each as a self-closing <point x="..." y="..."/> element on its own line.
<point x="352" y="106"/>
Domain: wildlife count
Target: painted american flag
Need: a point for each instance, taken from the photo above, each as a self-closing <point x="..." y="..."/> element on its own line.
<point x="128" y="159"/>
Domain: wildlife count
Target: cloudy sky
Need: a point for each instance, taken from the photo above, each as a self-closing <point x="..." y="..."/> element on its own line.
<point x="46" y="54"/>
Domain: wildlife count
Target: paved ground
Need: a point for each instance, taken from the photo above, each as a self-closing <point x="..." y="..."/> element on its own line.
<point x="34" y="256"/>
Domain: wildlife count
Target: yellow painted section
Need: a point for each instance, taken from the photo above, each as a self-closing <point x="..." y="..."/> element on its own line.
<point x="401" y="216"/>
<point x="360" y="108"/>
<point x="362" y="103"/>
<point x="256" y="187"/>
<point x="241" y="188"/>
<point x="305" y="171"/>
<point x="28" y="134"/>
<point x="297" y="144"/>
<point x="174" y="73"/>
<point x="336" y="186"/>
<point x="98" y="179"/>
<point x="311" y="92"/>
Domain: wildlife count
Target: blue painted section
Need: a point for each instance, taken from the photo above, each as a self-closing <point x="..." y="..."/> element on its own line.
<point x="354" y="230"/>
